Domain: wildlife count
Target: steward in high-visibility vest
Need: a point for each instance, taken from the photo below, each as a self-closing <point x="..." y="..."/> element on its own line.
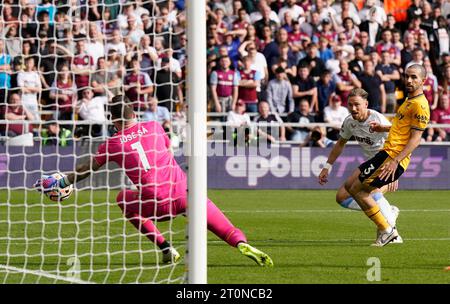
<point x="49" y="136"/>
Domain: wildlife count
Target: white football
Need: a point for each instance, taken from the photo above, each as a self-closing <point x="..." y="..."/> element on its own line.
<point x="60" y="194"/>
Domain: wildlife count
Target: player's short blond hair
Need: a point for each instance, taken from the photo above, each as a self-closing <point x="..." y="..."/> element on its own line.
<point x="359" y="92"/>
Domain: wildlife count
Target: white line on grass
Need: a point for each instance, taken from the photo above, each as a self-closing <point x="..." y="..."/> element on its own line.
<point x="43" y="274"/>
<point x="219" y="241"/>
<point x="238" y="211"/>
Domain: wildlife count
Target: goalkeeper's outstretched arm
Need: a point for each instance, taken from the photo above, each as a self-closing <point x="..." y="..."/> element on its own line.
<point x="81" y="172"/>
<point x="47" y="183"/>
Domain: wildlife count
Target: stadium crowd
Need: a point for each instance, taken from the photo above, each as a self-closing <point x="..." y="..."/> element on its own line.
<point x="279" y="61"/>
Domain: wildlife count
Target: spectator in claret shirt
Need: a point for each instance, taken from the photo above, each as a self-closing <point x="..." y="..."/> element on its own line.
<point x="249" y="80"/>
<point x="64" y="93"/>
<point x="16" y="111"/>
<point x="137" y="85"/>
<point x="224" y="86"/>
<point x="82" y="65"/>
<point x="440" y="116"/>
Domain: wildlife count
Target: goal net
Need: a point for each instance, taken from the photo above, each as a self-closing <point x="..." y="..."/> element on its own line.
<point x="61" y="62"/>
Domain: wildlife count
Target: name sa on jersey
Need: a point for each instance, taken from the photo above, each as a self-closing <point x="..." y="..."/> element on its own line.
<point x="133" y="135"/>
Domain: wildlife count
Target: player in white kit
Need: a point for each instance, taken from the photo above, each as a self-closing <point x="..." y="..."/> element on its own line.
<point x="357" y="124"/>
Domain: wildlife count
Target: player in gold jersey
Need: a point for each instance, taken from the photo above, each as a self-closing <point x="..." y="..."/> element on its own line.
<point x="389" y="164"/>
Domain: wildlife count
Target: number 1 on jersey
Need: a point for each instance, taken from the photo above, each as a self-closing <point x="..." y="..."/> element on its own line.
<point x="137" y="146"/>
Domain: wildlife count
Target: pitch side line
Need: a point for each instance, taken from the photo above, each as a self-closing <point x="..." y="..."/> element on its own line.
<point x="221" y="242"/>
<point x="43" y="274"/>
<point x="242" y="211"/>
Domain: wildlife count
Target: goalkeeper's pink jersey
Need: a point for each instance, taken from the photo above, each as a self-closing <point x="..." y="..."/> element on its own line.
<point x="143" y="151"/>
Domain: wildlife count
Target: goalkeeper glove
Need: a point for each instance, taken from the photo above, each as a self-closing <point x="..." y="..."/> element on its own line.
<point x="47" y="183"/>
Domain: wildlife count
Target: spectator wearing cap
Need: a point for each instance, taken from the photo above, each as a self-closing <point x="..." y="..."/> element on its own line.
<point x="327" y="31"/>
<point x="15" y="111"/>
<point x="373" y="85"/>
<point x="389" y="74"/>
<point x="315" y="64"/>
<point x="334" y="113"/>
<point x="295" y="37"/>
<point x="304" y="87"/>
<point x="249" y="81"/>
<point x="271" y="133"/>
<point x="82" y="65"/>
<point x="441" y="115"/>
<point x="326" y="86"/>
<point x="346" y="81"/>
<point x="137" y="85"/>
<point x="224" y="86"/>
<point x="279" y="93"/>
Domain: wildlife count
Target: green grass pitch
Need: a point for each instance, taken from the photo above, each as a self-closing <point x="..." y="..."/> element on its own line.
<point x="310" y="238"/>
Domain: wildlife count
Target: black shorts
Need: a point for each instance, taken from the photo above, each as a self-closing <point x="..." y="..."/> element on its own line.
<point x="370" y="170"/>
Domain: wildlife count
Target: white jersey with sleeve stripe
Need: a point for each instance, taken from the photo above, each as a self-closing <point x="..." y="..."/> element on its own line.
<point x="370" y="142"/>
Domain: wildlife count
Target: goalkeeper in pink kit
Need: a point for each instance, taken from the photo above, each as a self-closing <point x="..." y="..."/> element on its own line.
<point x="143" y="150"/>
